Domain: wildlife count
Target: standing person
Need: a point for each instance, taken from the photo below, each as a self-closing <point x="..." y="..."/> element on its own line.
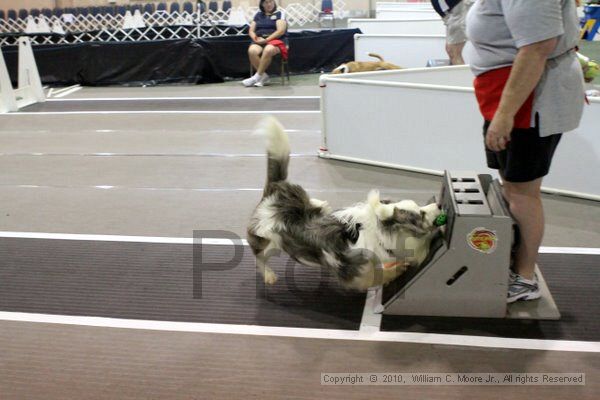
<point x="268" y="34"/>
<point x="453" y="13"/>
<point x="529" y="87"/>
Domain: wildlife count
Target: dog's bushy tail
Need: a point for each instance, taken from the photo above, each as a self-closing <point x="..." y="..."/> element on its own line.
<point x="278" y="149"/>
<point x="374" y="55"/>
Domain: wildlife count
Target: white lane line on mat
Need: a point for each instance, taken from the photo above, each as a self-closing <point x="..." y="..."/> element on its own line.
<point x="219" y="241"/>
<point x="335" y="334"/>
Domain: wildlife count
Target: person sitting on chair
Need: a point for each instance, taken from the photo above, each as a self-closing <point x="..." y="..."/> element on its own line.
<point x="268" y="34"/>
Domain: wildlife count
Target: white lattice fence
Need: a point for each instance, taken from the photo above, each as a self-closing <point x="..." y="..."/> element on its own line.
<point x="106" y="27"/>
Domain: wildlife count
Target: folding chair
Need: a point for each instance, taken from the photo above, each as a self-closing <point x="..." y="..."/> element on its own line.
<point x="326" y="13"/>
<point x="149" y="8"/>
<point x="283" y="67"/>
<point x="188" y="7"/>
<point x="201" y="7"/>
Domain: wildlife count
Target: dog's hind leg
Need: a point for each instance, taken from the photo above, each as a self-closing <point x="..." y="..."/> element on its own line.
<point x="393" y="271"/>
<point x="371" y="276"/>
<point x="260" y="247"/>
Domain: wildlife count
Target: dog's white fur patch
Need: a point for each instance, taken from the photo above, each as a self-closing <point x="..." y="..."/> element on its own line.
<point x="370" y="237"/>
<point x="431" y="211"/>
<point x="408" y="205"/>
<point x="324" y="205"/>
<point x="383" y="211"/>
<point x="268" y="223"/>
<point x="278" y="145"/>
<point x="343" y="69"/>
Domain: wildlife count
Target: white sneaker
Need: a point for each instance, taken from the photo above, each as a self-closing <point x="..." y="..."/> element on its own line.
<point x="263" y="80"/>
<point x="520" y="288"/>
<point x="251" y="81"/>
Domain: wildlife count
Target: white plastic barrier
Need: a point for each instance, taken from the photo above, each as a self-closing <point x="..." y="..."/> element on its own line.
<point x="427" y="120"/>
<point x="403" y="5"/>
<point x="29" y="89"/>
<point x="432" y="26"/>
<point x="406" y="14"/>
<point x="407" y="51"/>
<point x="7" y="96"/>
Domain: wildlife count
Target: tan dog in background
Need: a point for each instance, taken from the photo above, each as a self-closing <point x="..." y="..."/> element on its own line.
<point x="364" y="66"/>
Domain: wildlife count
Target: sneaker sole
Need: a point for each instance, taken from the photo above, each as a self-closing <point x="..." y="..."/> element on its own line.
<point x="524" y="297"/>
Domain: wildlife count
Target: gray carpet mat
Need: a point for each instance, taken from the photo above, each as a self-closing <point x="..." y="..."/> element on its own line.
<point x="156" y="282"/>
<point x="301" y="104"/>
<point x="573" y="282"/>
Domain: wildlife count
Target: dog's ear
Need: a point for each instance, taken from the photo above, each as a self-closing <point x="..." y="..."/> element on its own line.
<point x="410" y="221"/>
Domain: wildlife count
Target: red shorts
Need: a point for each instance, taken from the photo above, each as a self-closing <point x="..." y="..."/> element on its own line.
<point x="488" y="90"/>
<point x="282" y="47"/>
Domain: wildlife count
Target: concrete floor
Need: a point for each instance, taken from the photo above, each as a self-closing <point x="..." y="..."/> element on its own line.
<point x="169" y="174"/>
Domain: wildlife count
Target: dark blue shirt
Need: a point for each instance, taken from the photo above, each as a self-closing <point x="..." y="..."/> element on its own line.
<point x="267" y="24"/>
<point x="441" y="8"/>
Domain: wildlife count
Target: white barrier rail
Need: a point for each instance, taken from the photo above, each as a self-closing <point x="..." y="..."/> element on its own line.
<point x="29" y="90"/>
<point x="432" y="26"/>
<point x="406" y="14"/>
<point x="403" y="5"/>
<point x="427" y="120"/>
<point x="407" y="51"/>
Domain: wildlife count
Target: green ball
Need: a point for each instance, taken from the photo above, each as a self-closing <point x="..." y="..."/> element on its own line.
<point x="440" y="220"/>
<point x="592" y="70"/>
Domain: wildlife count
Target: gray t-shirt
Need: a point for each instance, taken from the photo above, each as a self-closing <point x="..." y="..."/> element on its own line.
<point x="498" y="28"/>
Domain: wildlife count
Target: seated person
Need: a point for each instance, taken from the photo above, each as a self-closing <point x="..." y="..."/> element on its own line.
<point x="268" y="34"/>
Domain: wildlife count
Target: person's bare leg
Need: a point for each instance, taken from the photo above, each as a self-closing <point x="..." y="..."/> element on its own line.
<point x="455" y="53"/>
<point x="254" y="55"/>
<point x="525" y="203"/>
<point x="266" y="58"/>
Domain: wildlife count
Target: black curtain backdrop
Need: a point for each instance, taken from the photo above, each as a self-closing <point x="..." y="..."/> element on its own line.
<point x="208" y="60"/>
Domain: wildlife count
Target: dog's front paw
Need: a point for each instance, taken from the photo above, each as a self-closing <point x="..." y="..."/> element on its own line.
<point x="270" y="277"/>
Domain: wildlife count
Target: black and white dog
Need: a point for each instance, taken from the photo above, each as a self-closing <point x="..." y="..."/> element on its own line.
<point x="365" y="245"/>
